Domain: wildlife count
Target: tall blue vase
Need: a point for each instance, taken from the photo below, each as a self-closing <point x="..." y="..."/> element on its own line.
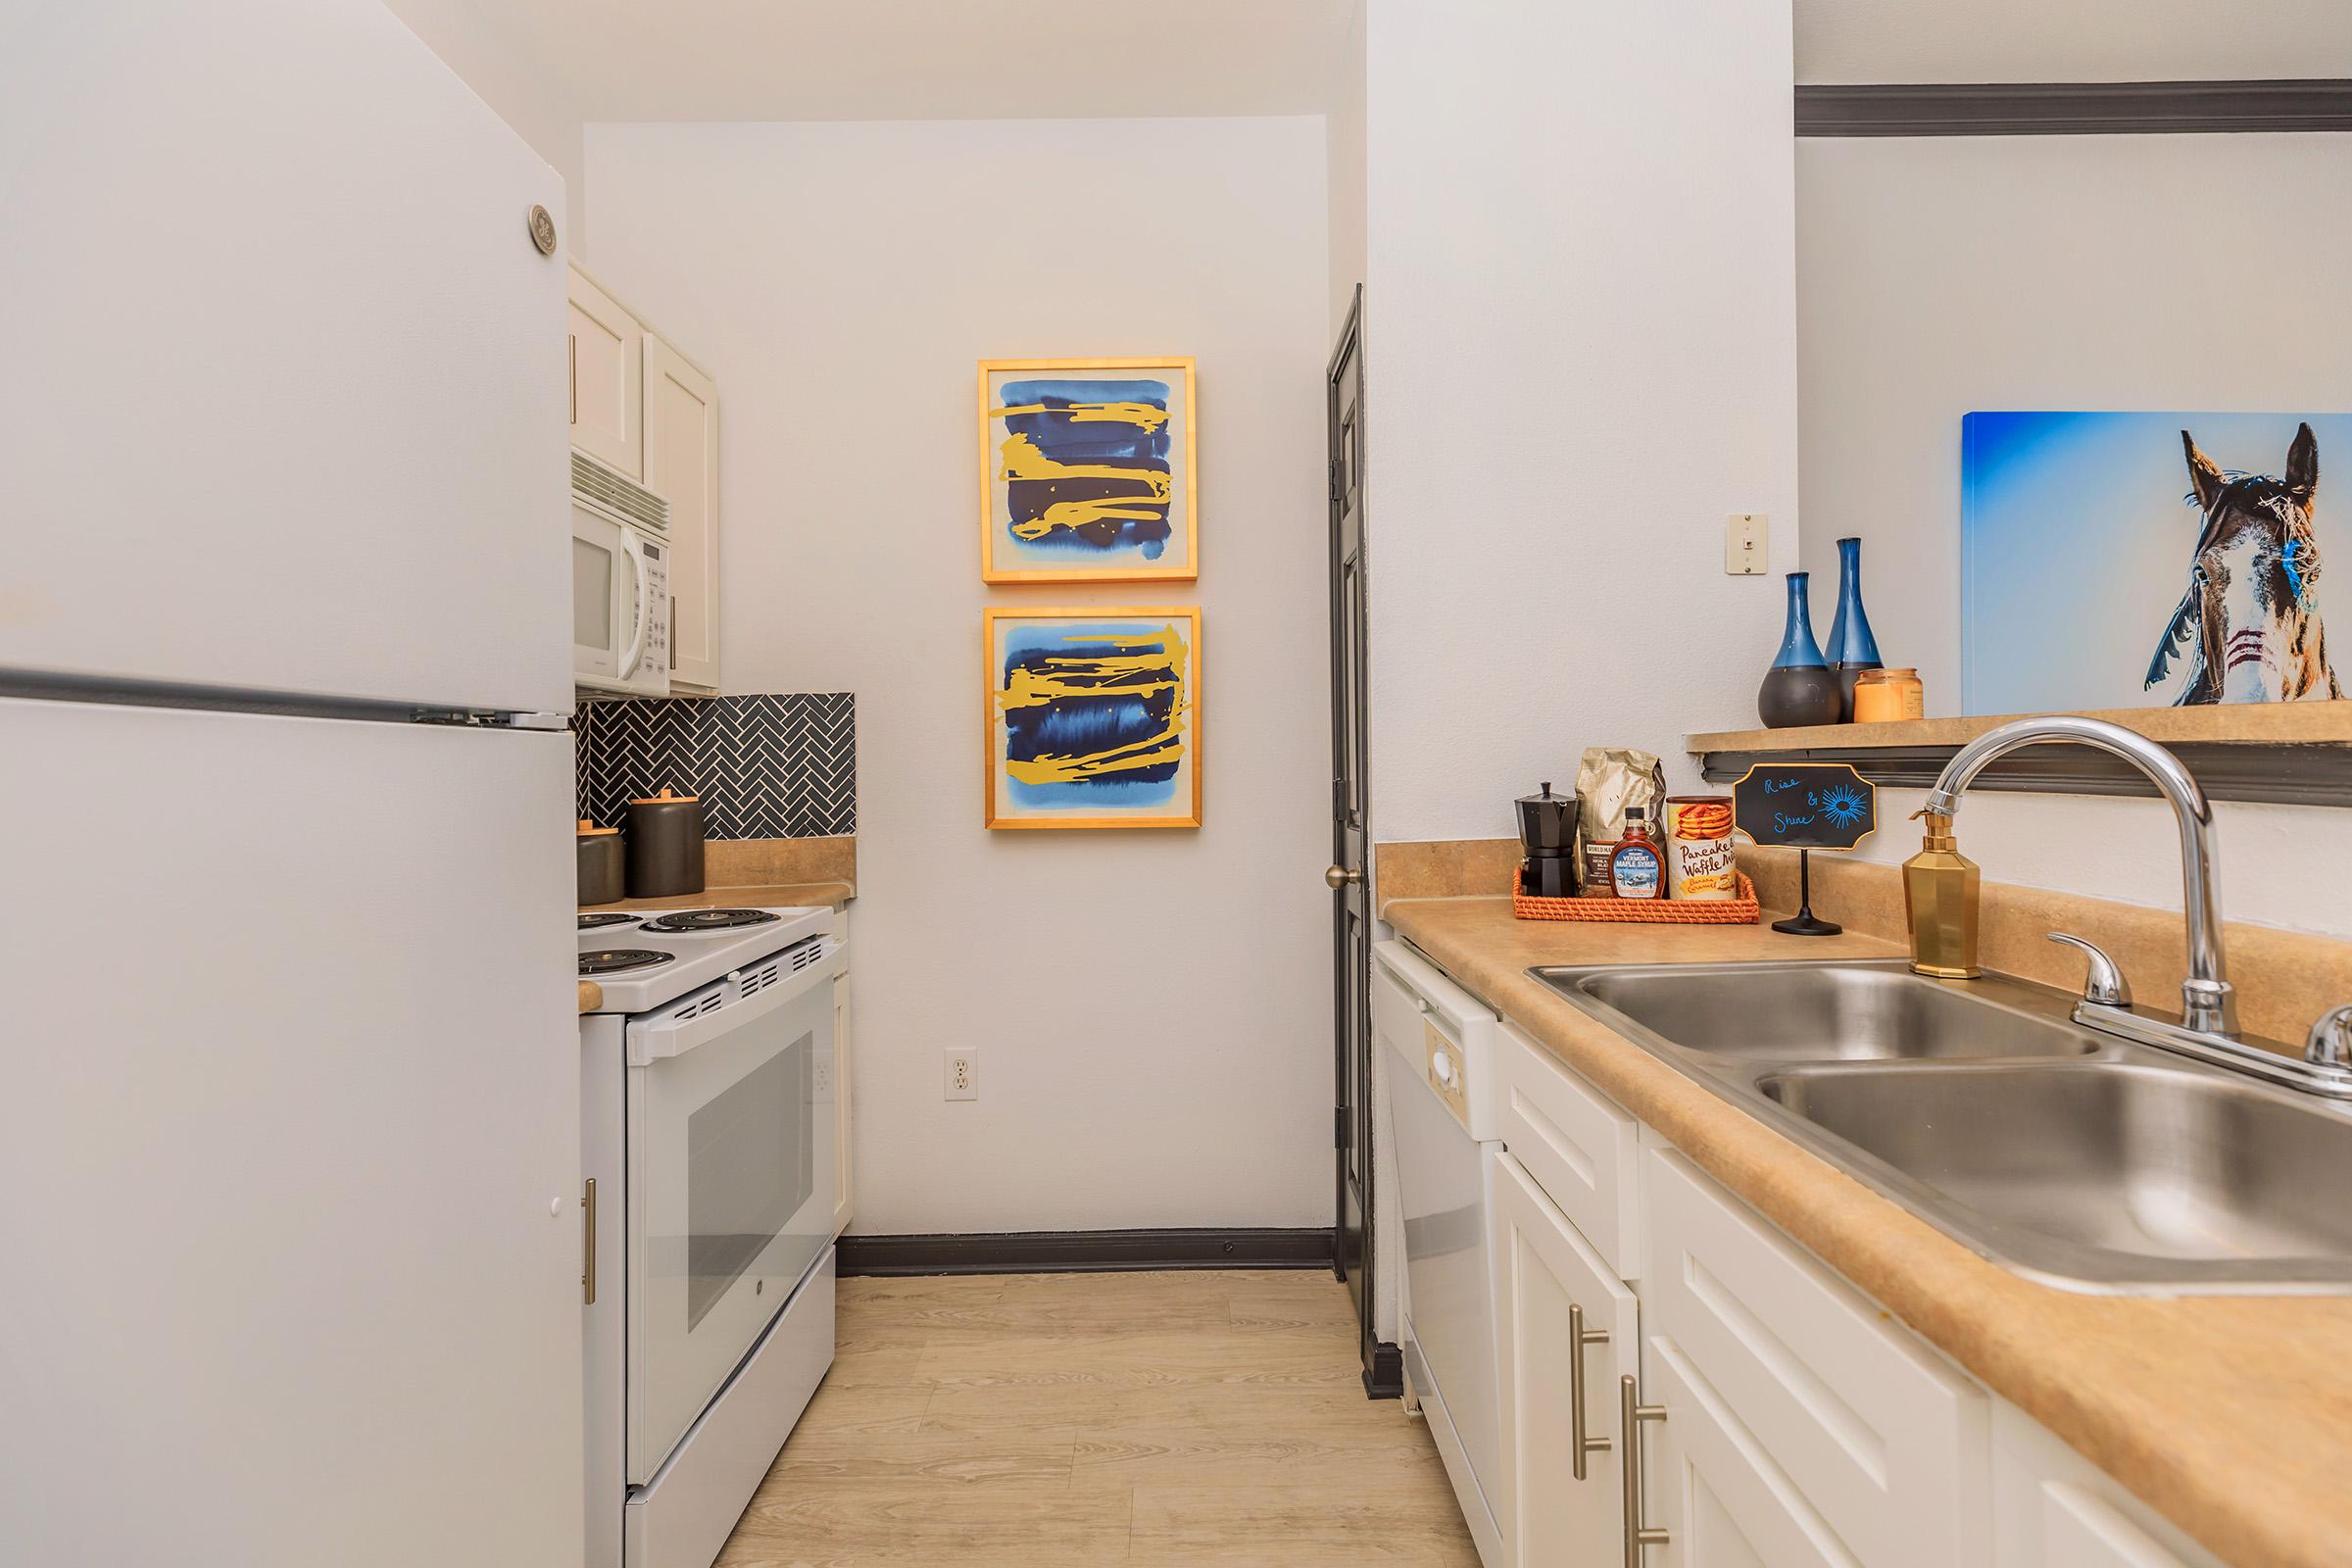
<point x="1852" y="649"/>
<point x="1799" y="688"/>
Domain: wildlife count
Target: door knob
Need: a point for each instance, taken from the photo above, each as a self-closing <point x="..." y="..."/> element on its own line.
<point x="1337" y="877"/>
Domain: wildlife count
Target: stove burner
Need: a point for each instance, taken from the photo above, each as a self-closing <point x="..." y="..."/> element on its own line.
<point x="681" y="921"/>
<point x="597" y="922"/>
<point x="614" y="960"/>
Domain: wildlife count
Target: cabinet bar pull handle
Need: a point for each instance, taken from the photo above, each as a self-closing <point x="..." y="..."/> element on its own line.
<point x="588" y="1254"/>
<point x="1578" y="1445"/>
<point x="1631" y="1413"/>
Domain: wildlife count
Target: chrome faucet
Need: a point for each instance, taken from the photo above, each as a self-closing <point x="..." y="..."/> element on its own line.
<point x="2208" y="1027"/>
<point x="2208" y="1006"/>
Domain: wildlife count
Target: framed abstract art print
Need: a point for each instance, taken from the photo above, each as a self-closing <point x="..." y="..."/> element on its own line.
<point x="1087" y="472"/>
<point x="1093" y="717"/>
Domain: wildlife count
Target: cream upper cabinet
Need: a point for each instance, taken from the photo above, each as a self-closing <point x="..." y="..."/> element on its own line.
<point x="608" y="379"/>
<point x="681" y="466"/>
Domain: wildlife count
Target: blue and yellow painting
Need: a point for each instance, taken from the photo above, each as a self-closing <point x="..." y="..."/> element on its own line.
<point x="2139" y="559"/>
<point x="1088" y="470"/>
<point x="1092" y="719"/>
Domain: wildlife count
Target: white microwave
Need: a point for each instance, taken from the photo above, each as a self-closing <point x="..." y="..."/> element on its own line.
<point x="619" y="583"/>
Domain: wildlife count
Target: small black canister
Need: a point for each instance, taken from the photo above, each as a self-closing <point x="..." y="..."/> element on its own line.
<point x="600" y="862"/>
<point x="665" y="845"/>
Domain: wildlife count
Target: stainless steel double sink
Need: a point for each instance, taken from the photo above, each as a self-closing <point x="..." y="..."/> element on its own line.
<point x="2063" y="1154"/>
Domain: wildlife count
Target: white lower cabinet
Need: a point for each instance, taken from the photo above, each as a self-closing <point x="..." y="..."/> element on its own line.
<point x="1885" y="1438"/>
<point x="1780" y="1419"/>
<point x="2053" y="1508"/>
<point x="1712" y="1490"/>
<point x="1567" y="1329"/>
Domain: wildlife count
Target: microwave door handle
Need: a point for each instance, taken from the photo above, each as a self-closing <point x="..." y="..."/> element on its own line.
<point x="636" y="654"/>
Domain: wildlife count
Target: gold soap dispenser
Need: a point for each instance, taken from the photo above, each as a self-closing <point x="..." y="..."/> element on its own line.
<point x="1940" y="897"/>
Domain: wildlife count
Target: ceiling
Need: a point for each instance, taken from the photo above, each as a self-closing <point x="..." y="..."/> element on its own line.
<point x="2070" y="40"/>
<point x="724" y="60"/>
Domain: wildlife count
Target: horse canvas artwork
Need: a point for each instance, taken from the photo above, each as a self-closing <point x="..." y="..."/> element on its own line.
<point x="2125" y="560"/>
<point x="2250" y="618"/>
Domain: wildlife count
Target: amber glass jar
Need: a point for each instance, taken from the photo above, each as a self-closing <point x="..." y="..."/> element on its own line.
<point x="1881" y="695"/>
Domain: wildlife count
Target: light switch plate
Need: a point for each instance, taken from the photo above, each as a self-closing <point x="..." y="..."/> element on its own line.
<point x="1746" y="544"/>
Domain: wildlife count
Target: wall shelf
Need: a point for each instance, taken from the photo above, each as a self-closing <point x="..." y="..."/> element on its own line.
<point x="2284" y="752"/>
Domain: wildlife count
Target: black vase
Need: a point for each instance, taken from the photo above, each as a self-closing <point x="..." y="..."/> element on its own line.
<point x="1799" y="688"/>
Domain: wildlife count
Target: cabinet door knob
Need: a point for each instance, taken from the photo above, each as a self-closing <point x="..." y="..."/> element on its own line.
<point x="1338" y="876"/>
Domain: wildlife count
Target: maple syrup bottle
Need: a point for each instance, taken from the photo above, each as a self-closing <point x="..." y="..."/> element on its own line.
<point x="1637" y="866"/>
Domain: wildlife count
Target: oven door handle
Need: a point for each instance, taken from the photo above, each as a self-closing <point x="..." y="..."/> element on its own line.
<point x="650" y="1040"/>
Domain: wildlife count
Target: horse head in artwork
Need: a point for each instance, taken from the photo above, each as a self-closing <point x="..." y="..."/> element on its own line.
<point x="2250" y="618"/>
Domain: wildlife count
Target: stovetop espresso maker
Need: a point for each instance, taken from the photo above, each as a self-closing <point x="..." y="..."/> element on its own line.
<point x="1548" y="832"/>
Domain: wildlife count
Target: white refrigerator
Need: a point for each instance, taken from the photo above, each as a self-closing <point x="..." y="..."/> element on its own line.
<point x="290" y="1232"/>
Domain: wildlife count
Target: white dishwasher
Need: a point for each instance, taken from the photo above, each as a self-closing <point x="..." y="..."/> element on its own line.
<point x="1440" y="1122"/>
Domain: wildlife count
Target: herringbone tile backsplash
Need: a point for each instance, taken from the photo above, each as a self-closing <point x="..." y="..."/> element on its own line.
<point x="766" y="767"/>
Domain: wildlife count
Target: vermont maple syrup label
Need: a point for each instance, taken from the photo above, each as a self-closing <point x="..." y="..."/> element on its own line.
<point x="1638" y="871"/>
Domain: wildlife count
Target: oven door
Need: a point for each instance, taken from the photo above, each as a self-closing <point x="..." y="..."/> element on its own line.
<point x="731" y="1191"/>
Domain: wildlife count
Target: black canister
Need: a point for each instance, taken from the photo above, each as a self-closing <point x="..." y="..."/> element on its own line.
<point x="665" y="845"/>
<point x="600" y="862"/>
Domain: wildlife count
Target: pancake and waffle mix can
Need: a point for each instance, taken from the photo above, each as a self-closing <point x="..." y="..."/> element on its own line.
<point x="1699" y="848"/>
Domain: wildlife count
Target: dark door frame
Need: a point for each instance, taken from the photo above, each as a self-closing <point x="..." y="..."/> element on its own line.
<point x="1351" y="870"/>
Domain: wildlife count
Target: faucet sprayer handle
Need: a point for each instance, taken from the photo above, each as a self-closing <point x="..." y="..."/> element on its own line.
<point x="2105" y="984"/>
<point x="2329" y="1042"/>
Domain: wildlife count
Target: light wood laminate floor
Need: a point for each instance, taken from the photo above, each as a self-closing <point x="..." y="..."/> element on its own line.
<point x="1148" y="1419"/>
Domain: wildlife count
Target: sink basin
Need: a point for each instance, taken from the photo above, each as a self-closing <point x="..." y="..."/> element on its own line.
<point x="1827" y="1013"/>
<point x="2126" y="1170"/>
<point x="2071" y="1155"/>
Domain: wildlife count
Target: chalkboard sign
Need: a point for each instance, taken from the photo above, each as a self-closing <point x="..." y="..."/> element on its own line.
<point x="1805" y="805"/>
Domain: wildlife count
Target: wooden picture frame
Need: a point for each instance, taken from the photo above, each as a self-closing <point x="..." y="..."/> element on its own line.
<point x="1148" y="777"/>
<point x="1105" y="528"/>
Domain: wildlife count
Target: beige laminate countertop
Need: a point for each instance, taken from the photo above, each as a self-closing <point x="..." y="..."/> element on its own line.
<point x="759" y="895"/>
<point x="2230" y="1415"/>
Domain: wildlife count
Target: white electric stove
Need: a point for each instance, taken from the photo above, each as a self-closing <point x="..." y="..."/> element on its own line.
<point x="707" y="1086"/>
<point x="643" y="958"/>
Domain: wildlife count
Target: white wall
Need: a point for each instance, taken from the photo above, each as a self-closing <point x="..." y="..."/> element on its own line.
<point x="1941" y="276"/>
<point x="509" y="72"/>
<point x="1581" y="356"/>
<point x="1343" y="173"/>
<point x="1152" y="1011"/>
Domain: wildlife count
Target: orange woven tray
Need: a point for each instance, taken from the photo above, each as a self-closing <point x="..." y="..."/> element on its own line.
<point x="1741" y="910"/>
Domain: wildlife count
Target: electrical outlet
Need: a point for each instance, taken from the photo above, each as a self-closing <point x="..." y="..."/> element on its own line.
<point x="962" y="1074"/>
<point x="1746" y="550"/>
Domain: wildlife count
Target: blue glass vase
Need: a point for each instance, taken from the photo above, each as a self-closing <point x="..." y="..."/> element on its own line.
<point x="1799" y="688"/>
<point x="1852" y="649"/>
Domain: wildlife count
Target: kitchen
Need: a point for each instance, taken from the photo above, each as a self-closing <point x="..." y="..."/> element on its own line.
<point x="972" y="1193"/>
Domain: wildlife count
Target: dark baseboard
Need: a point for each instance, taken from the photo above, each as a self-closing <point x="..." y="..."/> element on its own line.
<point x="1384" y="1379"/>
<point x="1083" y="1251"/>
<point x="2072" y="108"/>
